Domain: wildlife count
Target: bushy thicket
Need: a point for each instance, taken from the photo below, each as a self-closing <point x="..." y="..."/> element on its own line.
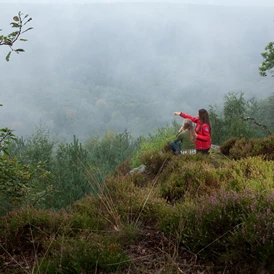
<point x="238" y="148"/>
<point x="222" y="214"/>
<point x="47" y="174"/>
<point x="241" y="117"/>
<point x="213" y="210"/>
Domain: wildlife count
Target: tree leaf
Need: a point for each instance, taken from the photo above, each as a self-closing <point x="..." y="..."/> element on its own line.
<point x="13" y="33"/>
<point x="28" y="21"/>
<point x="14" y="25"/>
<point x="27" y="30"/>
<point x="8" y="56"/>
<point x="19" y="50"/>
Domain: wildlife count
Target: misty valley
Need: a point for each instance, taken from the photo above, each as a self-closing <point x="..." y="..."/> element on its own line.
<point x="90" y="68"/>
<point x="88" y="179"/>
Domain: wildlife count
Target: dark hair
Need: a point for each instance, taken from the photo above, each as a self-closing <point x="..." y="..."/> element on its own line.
<point x="203" y="116"/>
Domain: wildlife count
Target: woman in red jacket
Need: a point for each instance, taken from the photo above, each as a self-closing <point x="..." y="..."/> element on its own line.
<point x="202" y="130"/>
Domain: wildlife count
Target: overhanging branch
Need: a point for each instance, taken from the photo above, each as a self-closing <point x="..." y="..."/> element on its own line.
<point x="257" y="123"/>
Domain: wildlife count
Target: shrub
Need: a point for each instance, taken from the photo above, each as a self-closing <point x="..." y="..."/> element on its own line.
<point x="71" y="182"/>
<point x="238" y="148"/>
<point x="188" y="175"/>
<point x="85" y="255"/>
<point x="156" y="141"/>
<point x="155" y="161"/>
<point x="23" y="184"/>
<point x="226" y="146"/>
<point x="226" y="227"/>
<point x="29" y="227"/>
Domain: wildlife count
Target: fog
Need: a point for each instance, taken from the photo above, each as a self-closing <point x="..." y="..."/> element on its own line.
<point x="91" y="67"/>
<point x="247" y="3"/>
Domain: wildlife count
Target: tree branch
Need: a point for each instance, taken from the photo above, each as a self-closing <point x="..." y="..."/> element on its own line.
<point x="258" y="124"/>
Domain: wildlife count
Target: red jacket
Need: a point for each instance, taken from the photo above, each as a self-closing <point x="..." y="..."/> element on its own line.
<point x="203" y="140"/>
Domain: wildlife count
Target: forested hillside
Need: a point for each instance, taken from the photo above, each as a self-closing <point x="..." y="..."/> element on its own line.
<point x="95" y="67"/>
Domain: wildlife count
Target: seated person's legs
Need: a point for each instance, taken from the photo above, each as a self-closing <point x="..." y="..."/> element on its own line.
<point x="175" y="147"/>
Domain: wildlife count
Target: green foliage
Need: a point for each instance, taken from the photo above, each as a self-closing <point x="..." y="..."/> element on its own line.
<point x="227" y="145"/>
<point x="268" y="62"/>
<point x="202" y="202"/>
<point x="213" y="212"/>
<point x="155" y="141"/>
<point x="76" y="169"/>
<point x="9" y="40"/>
<point x="20" y="183"/>
<point x="265" y="112"/>
<point x="189" y="175"/>
<point x="70" y="178"/>
<point x="236" y="119"/>
<point x="25" y="227"/>
<point x="154" y="161"/>
<point x="111" y="149"/>
<point x="37" y="148"/>
<point x="238" y="148"/>
<point x="85" y="255"/>
<point x="6" y="137"/>
<point x="106" y="153"/>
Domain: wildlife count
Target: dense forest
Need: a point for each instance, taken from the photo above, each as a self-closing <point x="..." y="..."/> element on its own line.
<point x="95" y="67"/>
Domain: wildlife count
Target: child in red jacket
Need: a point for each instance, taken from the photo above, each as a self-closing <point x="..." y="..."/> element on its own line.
<point x="202" y="130"/>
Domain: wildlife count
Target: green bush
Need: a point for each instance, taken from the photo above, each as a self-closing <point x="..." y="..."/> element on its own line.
<point x="70" y="179"/>
<point x="85" y="256"/>
<point x="238" y="148"/>
<point x="155" y="141"/>
<point x="188" y="175"/>
<point x="33" y="149"/>
<point x="155" y="161"/>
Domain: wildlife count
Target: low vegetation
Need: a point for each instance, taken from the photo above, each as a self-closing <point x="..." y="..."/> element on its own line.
<point x="181" y="214"/>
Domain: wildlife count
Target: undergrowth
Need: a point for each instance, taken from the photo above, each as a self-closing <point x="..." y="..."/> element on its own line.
<point x="182" y="214"/>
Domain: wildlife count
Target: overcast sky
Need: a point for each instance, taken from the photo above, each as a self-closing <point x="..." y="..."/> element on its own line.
<point x="211" y="2"/>
<point x="158" y="58"/>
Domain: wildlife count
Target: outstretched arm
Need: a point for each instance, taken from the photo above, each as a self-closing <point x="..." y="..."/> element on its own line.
<point x="186" y="116"/>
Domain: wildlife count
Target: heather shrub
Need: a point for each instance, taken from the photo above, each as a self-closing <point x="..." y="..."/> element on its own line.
<point x="172" y="217"/>
<point x="267" y="147"/>
<point x="155" y="161"/>
<point x="77" y="222"/>
<point x="233" y="229"/>
<point x="242" y="148"/>
<point x="123" y="168"/>
<point x="139" y="179"/>
<point x="238" y="148"/>
<point x="191" y="180"/>
<point x="253" y="173"/>
<point x="209" y="220"/>
<point x="84" y="255"/>
<point x="29" y="227"/>
<point x="66" y="242"/>
<point x="134" y="204"/>
<point x="254" y="241"/>
<point x="226" y="146"/>
<point x="188" y="175"/>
